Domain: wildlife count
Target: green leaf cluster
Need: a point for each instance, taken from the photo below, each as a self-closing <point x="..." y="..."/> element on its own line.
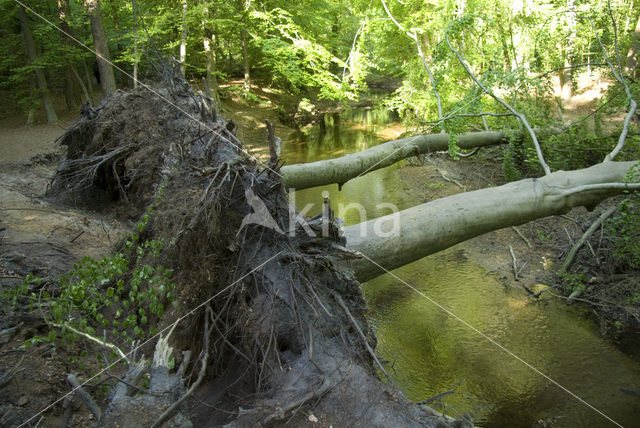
<point x="120" y="297"/>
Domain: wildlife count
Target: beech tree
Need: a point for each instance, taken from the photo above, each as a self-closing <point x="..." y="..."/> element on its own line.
<point x="100" y="45"/>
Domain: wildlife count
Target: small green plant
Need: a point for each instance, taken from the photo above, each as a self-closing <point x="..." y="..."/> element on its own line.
<point x="625" y="226"/>
<point x="247" y="96"/>
<point x="543" y="236"/>
<point x="453" y="146"/>
<point x="509" y="160"/>
<point x="574" y="281"/>
<point x="434" y="186"/>
<point x="117" y="298"/>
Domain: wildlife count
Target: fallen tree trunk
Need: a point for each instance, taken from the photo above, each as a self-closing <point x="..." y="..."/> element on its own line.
<point x="343" y="169"/>
<point x="398" y="239"/>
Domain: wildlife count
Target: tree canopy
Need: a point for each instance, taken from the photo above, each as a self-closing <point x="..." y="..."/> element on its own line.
<point x="332" y="48"/>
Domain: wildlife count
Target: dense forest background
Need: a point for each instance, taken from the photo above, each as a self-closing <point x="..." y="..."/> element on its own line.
<point x="323" y="49"/>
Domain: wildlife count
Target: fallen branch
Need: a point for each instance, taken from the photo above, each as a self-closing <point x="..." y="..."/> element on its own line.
<point x="440" y="395"/>
<point x="104" y="344"/>
<point x="586" y="235"/>
<point x="342" y="169"/>
<point x="602" y="186"/>
<point x="468" y="155"/>
<point x="86" y="398"/>
<point x="630" y="392"/>
<point x="435" y="397"/>
<point x="281" y="412"/>
<point x="515" y="265"/>
<point x="519" y="115"/>
<point x="526" y="241"/>
<point x="361" y="334"/>
<point x="436" y="225"/>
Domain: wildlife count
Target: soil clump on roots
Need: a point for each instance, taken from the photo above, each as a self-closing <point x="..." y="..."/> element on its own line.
<point x="270" y="330"/>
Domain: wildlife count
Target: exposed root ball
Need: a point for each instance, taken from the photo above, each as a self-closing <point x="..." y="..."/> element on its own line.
<point x="279" y="340"/>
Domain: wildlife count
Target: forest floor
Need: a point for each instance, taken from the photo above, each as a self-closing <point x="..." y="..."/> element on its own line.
<point x="38" y="237"/>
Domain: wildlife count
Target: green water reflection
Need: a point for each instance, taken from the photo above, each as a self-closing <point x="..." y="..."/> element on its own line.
<point x="429" y="350"/>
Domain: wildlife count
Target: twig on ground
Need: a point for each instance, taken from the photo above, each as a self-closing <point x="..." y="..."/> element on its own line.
<point x="6" y="377"/>
<point x="568" y="235"/>
<point x="526" y="241"/>
<point x="515" y="265"/>
<point x="451" y="180"/>
<point x="86" y="398"/>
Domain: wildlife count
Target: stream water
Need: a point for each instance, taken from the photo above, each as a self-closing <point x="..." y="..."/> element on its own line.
<point x="428" y="351"/>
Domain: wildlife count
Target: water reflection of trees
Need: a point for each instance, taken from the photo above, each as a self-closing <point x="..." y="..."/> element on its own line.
<point x="338" y="133"/>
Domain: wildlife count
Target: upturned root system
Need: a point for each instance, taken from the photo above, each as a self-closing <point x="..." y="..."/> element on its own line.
<point x="279" y="344"/>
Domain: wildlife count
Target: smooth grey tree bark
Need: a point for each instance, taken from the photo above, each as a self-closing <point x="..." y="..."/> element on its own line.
<point x="208" y="42"/>
<point x="343" y="169"/>
<point x="107" y="79"/>
<point x="401" y="238"/>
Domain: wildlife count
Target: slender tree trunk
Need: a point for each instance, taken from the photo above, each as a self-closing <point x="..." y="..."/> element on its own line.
<point x="210" y="54"/>
<point x="87" y="76"/>
<point x="566" y="81"/>
<point x="64" y="13"/>
<point x="31" y="54"/>
<point x="634" y="49"/>
<point x="398" y="239"/>
<point x="245" y="56"/>
<point x="107" y="79"/>
<point x="505" y="48"/>
<point x="183" y="39"/>
<point x="116" y="26"/>
<point x="32" y="91"/>
<point x="134" y="11"/>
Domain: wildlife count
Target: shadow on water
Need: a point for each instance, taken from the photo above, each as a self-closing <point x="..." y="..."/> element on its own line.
<point x="428" y="350"/>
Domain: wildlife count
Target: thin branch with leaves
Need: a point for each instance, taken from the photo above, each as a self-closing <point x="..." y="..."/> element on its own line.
<point x="513" y="111"/>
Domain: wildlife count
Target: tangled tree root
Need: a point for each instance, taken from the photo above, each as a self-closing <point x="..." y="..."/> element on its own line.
<point x="276" y="340"/>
